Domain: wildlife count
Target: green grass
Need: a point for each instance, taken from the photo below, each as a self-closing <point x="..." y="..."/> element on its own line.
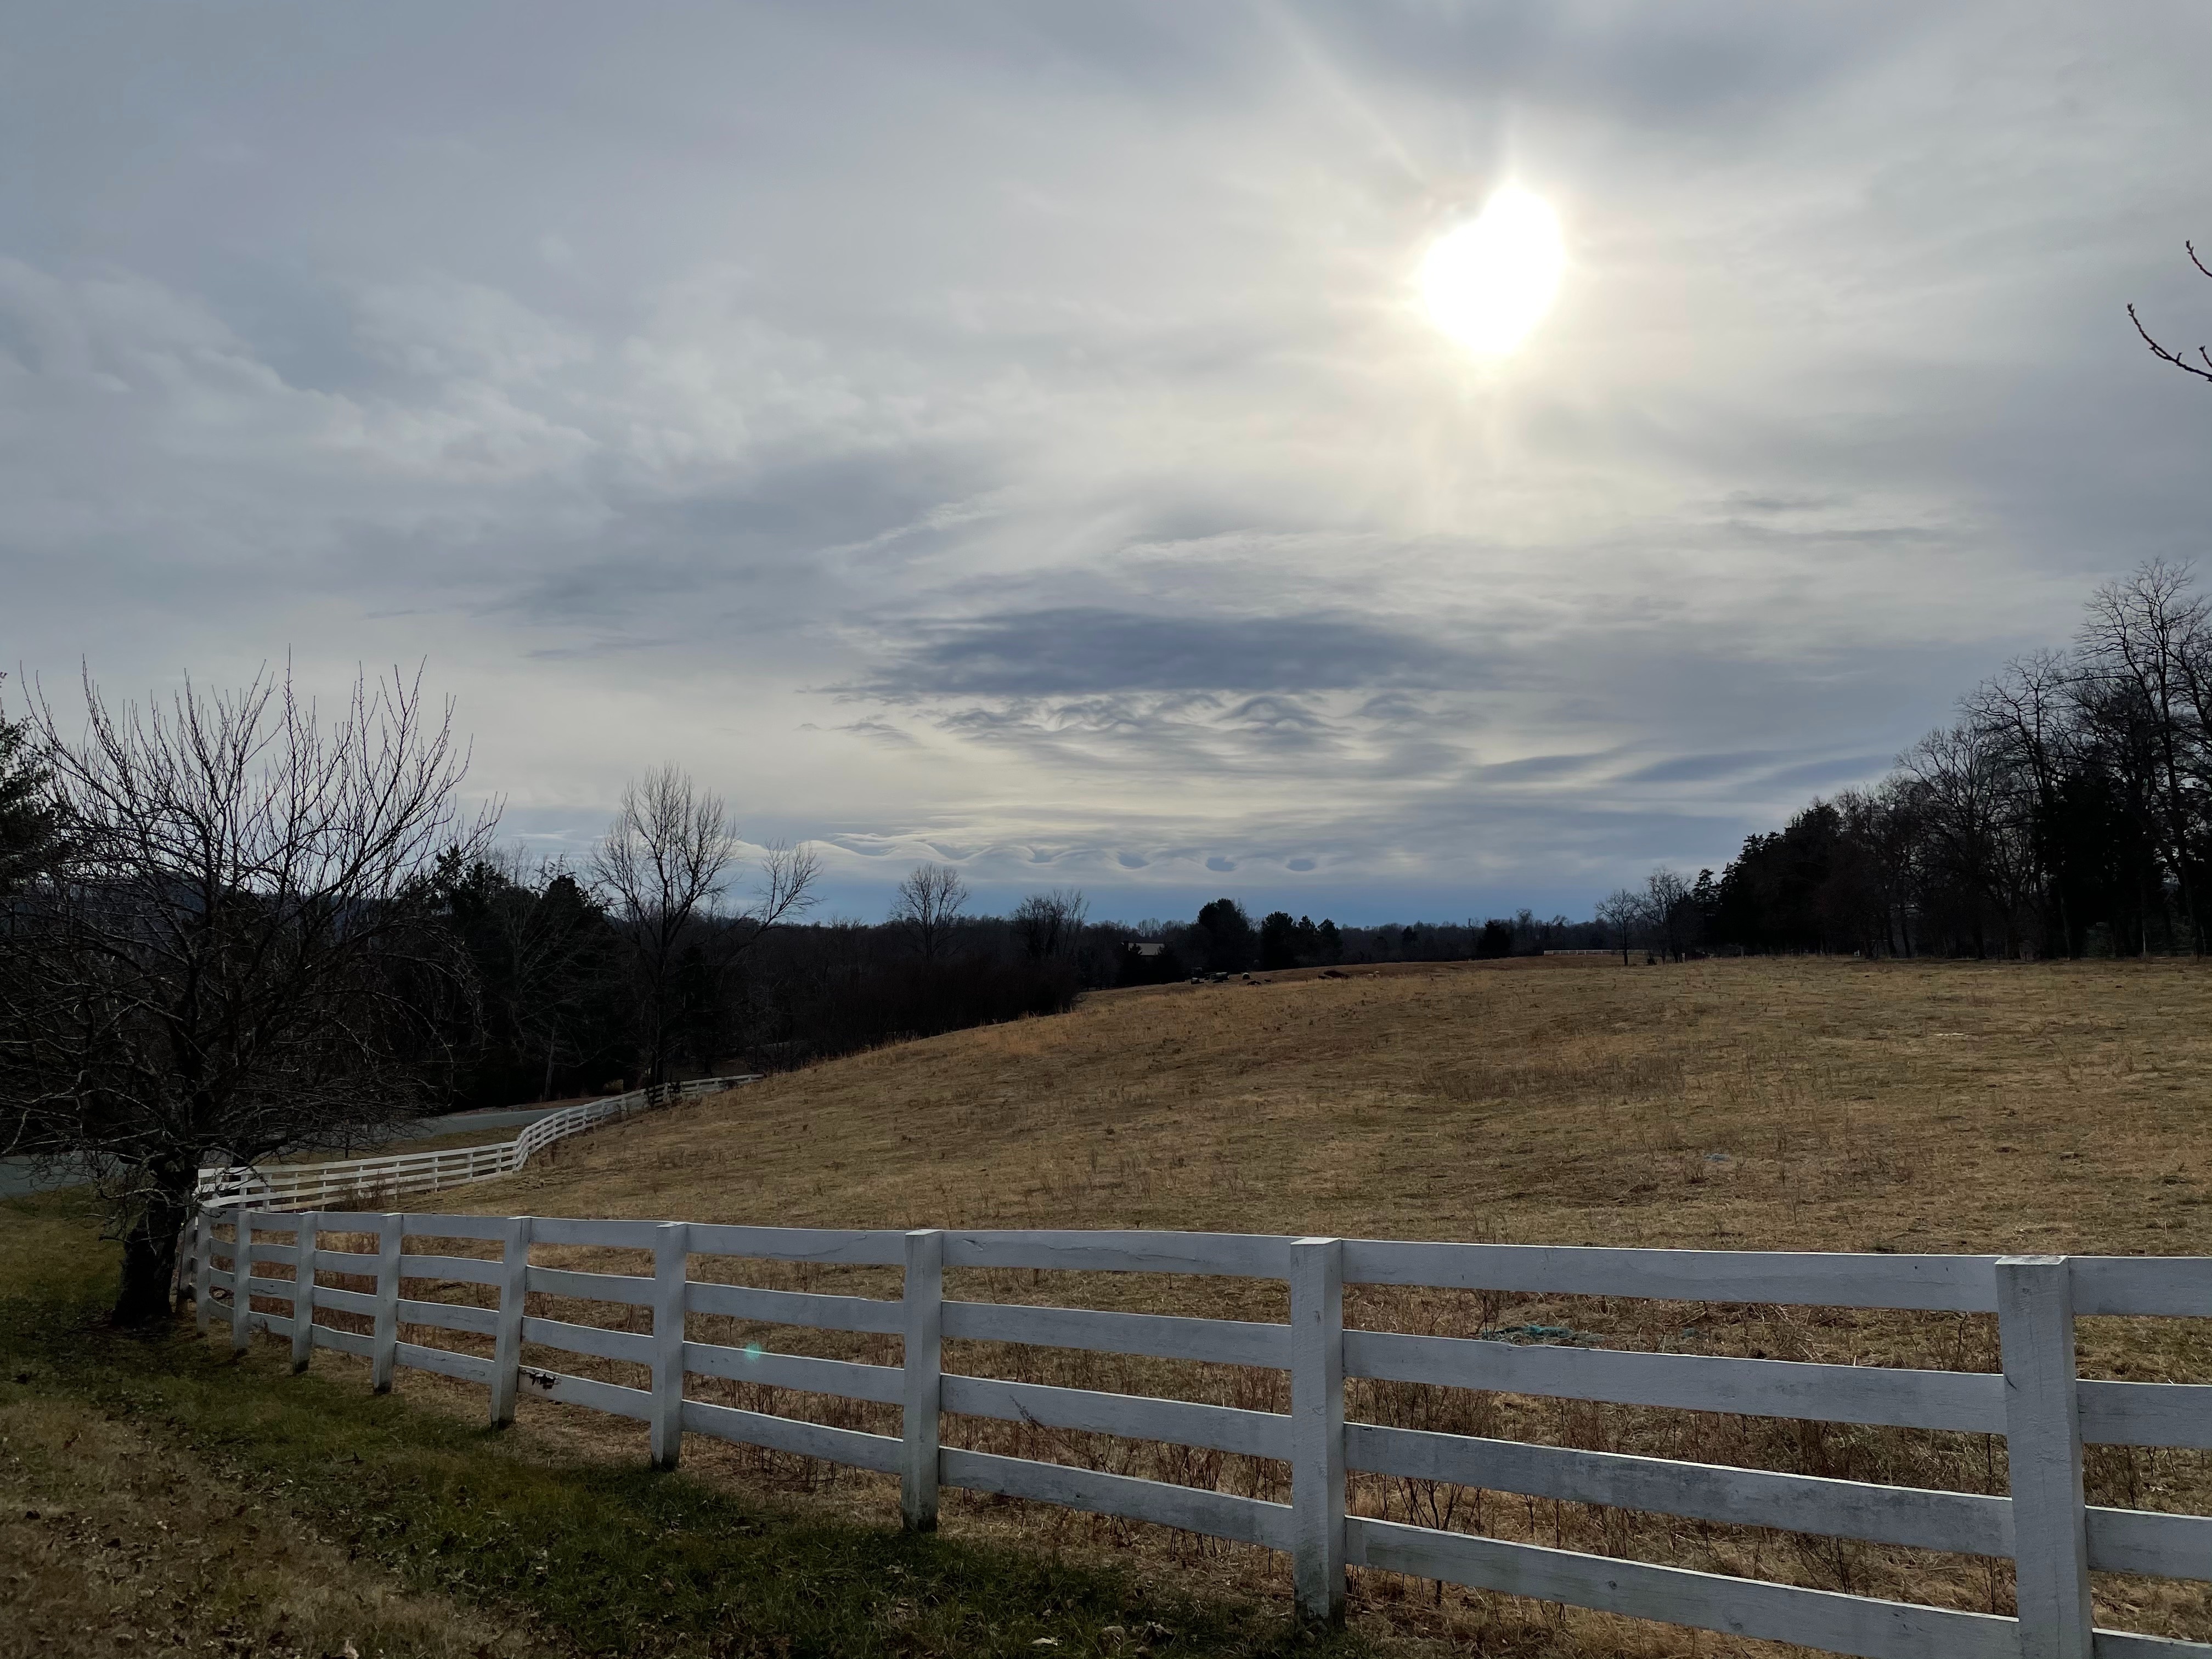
<point x="594" y="1560"/>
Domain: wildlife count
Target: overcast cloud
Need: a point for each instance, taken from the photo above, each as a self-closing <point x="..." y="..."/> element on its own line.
<point x="1007" y="433"/>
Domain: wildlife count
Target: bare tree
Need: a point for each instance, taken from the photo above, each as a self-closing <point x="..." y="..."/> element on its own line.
<point x="928" y="904"/>
<point x="662" y="870"/>
<point x="2201" y="368"/>
<point x="1051" y="924"/>
<point x="1624" y="913"/>
<point x="237" y="955"/>
<point x="2139" y="640"/>
<point x="2025" y="711"/>
<point x="1977" y="824"/>
<point x="1668" y="913"/>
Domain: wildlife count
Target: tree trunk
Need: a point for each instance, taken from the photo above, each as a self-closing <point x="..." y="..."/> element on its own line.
<point x="149" y="1257"/>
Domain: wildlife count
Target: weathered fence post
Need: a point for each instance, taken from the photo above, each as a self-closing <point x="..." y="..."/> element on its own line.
<point x="383" y="1338"/>
<point x="2043" y="1447"/>
<point x="1317" y="1427"/>
<point x="671" y="1255"/>
<point x="923" y="1367"/>
<point x="303" y="1291"/>
<point x="241" y="1274"/>
<point x="203" y="1270"/>
<point x="507" y="1333"/>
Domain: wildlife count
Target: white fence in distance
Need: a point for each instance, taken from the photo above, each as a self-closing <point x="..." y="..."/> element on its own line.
<point x="2038" y="1402"/>
<point x="309" y="1186"/>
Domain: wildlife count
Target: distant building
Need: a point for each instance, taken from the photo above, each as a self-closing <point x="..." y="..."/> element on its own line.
<point x="1147" y="947"/>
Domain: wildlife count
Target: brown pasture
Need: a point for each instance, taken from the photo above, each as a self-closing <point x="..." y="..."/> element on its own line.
<point x="1806" y="1104"/>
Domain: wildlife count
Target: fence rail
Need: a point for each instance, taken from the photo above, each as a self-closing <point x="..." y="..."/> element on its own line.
<point x="2038" y="1402"/>
<point x="353" y="1179"/>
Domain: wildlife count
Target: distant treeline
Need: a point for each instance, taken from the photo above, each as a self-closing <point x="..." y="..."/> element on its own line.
<point x="1224" y="938"/>
<point x="557" y="989"/>
<point x="2068" y="813"/>
<point x="561" y="1012"/>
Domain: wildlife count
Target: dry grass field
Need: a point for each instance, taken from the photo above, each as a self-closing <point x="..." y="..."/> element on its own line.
<point x="1796" y="1104"/>
<point x="1821" y="1105"/>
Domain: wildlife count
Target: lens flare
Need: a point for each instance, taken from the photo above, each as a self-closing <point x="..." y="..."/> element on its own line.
<point x="1489" y="282"/>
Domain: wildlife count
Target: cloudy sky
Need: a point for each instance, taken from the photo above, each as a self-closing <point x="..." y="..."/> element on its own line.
<point x="1011" y="435"/>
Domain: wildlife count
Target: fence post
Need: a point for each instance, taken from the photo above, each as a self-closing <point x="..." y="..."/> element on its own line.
<point x="241" y="1274"/>
<point x="1317" y="1428"/>
<point x="203" y="1270"/>
<point x="383" y="1338"/>
<point x="507" y="1333"/>
<point x="2043" y="1450"/>
<point x="303" y="1291"/>
<point x="670" y="1255"/>
<point x="923" y="1368"/>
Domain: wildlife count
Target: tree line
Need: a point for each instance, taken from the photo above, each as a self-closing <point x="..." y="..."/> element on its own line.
<point x="2067" y="812"/>
<point x="1224" y="939"/>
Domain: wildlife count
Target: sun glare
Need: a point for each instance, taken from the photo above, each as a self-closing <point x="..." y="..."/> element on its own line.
<point x="1490" y="282"/>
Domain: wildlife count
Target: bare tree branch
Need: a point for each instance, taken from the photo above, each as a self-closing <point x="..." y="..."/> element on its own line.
<point x="2179" y="359"/>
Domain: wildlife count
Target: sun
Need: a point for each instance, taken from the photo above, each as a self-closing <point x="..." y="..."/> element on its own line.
<point x="1489" y="282"/>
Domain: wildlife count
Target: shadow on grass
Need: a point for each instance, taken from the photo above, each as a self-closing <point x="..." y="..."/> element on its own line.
<point x="601" y="1560"/>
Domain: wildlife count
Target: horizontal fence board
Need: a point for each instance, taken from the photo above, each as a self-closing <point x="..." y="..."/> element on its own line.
<point x="882" y="1247"/>
<point x="822" y="1313"/>
<point x="357" y="1343"/>
<point x="1224" y="1341"/>
<point x="627" y="1288"/>
<point x="1740" y="1607"/>
<point x="275" y="1253"/>
<point x="1216" y="1514"/>
<point x="2147" y="1414"/>
<point x="1950" y="1284"/>
<point x="2175" y="1286"/>
<point x="492" y="1227"/>
<point x="279" y="1288"/>
<point x="468" y="1367"/>
<point x="1973" y="1401"/>
<point x="594" y="1339"/>
<point x="2126" y="1644"/>
<point x="2145" y="1541"/>
<point x="360" y="1301"/>
<point x="345" y="1261"/>
<point x="610" y="1235"/>
<point x="275" y="1324"/>
<point x="845" y="1378"/>
<point x="469" y="1270"/>
<point x="1238" y="1255"/>
<point x="788" y="1434"/>
<point x="1133" y="1416"/>
<point x="1967" y="1522"/>
<point x="450" y="1316"/>
<point x="612" y="1398"/>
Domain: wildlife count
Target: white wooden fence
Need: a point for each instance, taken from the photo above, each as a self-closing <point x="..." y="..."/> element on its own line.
<point x="296" y="1186"/>
<point x="2037" y="1402"/>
